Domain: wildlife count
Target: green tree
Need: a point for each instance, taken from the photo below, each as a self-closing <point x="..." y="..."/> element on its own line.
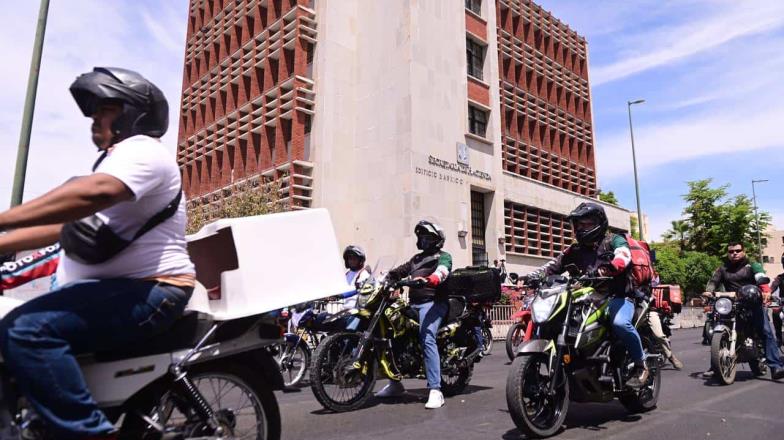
<point x="678" y="232"/>
<point x="251" y="197"/>
<point x="633" y="228"/>
<point x="690" y="270"/>
<point x="713" y="220"/>
<point x="608" y="197"/>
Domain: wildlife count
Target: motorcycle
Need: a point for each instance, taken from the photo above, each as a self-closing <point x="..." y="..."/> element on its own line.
<point x="522" y="328"/>
<point x="574" y="357"/>
<point x="734" y="339"/>
<point x="777" y="313"/>
<point x="294" y="353"/>
<point x="486" y="324"/>
<point x="202" y="379"/>
<point x="346" y="364"/>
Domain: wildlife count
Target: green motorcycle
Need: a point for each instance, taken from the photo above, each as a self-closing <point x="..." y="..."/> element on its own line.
<point x="573" y="356"/>
<point x="345" y="365"/>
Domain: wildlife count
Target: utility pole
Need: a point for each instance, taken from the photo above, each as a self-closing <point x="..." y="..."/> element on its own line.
<point x="629" y="105"/>
<point x="29" y="107"/>
<point x="756" y="217"/>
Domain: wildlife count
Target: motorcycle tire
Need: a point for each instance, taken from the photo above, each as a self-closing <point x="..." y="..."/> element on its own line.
<point x="514" y="337"/>
<point x="524" y="369"/>
<point x="322" y="372"/>
<point x="297" y="362"/>
<point x="454" y="385"/>
<point x="721" y="370"/>
<point x="487" y="336"/>
<point x="257" y="391"/>
<point x="646" y="398"/>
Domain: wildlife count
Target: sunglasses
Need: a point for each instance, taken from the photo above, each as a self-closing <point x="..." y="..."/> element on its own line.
<point x="735" y="251"/>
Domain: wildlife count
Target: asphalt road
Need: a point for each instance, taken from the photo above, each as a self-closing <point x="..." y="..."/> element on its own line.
<point x="689" y="408"/>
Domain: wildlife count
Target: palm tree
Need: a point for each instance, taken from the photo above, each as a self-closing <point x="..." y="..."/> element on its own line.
<point x="679" y="231"/>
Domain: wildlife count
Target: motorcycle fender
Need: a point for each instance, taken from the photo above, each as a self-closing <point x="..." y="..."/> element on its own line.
<point x="535" y="346"/>
<point x="520" y="314"/>
<point x="722" y="328"/>
<point x="291" y="338"/>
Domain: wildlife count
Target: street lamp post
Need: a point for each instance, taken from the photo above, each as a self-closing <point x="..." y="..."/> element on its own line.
<point x="629" y="105"/>
<point x="756" y="217"/>
<point x="29" y="107"/>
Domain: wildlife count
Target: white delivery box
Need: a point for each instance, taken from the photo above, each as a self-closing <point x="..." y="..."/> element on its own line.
<point x="252" y="265"/>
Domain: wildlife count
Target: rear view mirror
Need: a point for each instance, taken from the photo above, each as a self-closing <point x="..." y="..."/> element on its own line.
<point x="573" y="270"/>
<point x="763" y="280"/>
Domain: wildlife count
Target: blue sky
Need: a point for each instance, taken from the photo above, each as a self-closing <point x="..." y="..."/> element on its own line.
<point x="710" y="70"/>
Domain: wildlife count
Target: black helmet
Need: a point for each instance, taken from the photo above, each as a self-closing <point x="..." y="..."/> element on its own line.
<point x="750" y="294"/>
<point x="588" y="210"/>
<point x="144" y="108"/>
<point x="354" y="251"/>
<point x="430" y="236"/>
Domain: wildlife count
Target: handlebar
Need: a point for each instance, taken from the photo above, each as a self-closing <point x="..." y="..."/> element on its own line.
<point x="410" y="282"/>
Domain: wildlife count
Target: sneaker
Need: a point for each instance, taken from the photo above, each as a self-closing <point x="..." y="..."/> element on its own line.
<point x="639" y="377"/>
<point x="393" y="389"/>
<point x="707" y="374"/>
<point x="676" y="363"/>
<point x="777" y="373"/>
<point x="435" y="400"/>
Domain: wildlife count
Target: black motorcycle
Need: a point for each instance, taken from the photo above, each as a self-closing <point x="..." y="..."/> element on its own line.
<point x="734" y="339"/>
<point x="710" y="320"/>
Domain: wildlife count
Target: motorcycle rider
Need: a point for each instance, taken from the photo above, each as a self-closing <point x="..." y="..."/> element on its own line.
<point x="431" y="266"/>
<point x="135" y="294"/>
<point x="777" y="289"/>
<point x="655" y="323"/>
<point x="735" y="273"/>
<point x="601" y="253"/>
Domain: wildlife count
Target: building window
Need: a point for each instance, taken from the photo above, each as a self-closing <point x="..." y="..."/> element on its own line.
<point x="474" y="6"/>
<point x="475" y="55"/>
<point x="534" y="231"/>
<point x="477" y="121"/>
<point x="478" y="227"/>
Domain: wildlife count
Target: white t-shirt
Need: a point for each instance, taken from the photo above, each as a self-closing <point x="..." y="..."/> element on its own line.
<point x="355" y="279"/>
<point x="144" y="165"/>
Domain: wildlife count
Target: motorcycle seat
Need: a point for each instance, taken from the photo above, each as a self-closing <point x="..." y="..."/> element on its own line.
<point x="184" y="334"/>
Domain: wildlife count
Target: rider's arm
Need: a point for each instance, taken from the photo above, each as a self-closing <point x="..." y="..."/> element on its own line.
<point x="73" y="200"/>
<point x="552" y="267"/>
<point x="29" y="238"/>
<point x="713" y="283"/>
<point x="442" y="270"/>
<point x="401" y="271"/>
<point x="622" y="256"/>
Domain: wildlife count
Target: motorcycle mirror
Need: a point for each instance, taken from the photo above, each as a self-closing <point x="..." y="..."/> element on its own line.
<point x="572" y="269"/>
<point x="763" y="280"/>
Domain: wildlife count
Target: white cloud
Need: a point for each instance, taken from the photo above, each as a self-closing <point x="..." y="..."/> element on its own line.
<point x="669" y="44"/>
<point x="80" y="34"/>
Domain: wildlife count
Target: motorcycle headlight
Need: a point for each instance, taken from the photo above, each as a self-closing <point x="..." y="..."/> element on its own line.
<point x="543" y="307"/>
<point x="723" y="306"/>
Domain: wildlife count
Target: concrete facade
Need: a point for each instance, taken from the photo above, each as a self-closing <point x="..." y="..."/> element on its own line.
<point x="390" y="140"/>
<point x="772" y="251"/>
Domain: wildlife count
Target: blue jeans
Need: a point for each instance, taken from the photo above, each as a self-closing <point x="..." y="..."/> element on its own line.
<point x="40" y="338"/>
<point x="762" y="326"/>
<point x="430" y="316"/>
<point x="622" y="313"/>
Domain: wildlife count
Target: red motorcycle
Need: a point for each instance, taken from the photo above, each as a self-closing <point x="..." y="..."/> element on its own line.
<point x="522" y="328"/>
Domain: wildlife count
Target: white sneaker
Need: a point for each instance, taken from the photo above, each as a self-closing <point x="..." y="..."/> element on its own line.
<point x="435" y="400"/>
<point x="393" y="389"/>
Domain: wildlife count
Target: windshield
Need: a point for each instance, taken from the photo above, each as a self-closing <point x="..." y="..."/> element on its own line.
<point x="381" y="269"/>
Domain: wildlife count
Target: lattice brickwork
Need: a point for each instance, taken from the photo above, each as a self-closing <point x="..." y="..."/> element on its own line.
<point x="545" y="103"/>
<point x="248" y="95"/>
<point x="534" y="231"/>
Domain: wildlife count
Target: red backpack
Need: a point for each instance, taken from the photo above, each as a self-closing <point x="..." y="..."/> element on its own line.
<point x="642" y="267"/>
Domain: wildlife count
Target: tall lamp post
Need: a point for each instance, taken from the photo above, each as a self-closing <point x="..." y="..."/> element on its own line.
<point x="629" y="105"/>
<point x="756" y="216"/>
<point x="29" y="107"/>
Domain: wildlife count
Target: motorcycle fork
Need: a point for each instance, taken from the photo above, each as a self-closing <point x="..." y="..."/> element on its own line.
<point x="733" y="336"/>
<point x="367" y="336"/>
<point x="556" y="367"/>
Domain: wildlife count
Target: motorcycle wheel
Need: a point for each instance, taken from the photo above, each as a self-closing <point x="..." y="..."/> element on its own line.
<point x="533" y="411"/>
<point x="245" y="407"/>
<point x="487" y="336"/>
<point x="647" y="397"/>
<point x="515" y="337"/>
<point x="293" y="360"/>
<point x="334" y="384"/>
<point x="454" y="384"/>
<point x="723" y="363"/>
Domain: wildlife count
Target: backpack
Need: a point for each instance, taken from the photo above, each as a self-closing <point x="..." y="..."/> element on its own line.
<point x="641" y="265"/>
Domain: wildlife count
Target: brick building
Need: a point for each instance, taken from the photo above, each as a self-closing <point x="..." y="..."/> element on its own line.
<point x="476" y="114"/>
